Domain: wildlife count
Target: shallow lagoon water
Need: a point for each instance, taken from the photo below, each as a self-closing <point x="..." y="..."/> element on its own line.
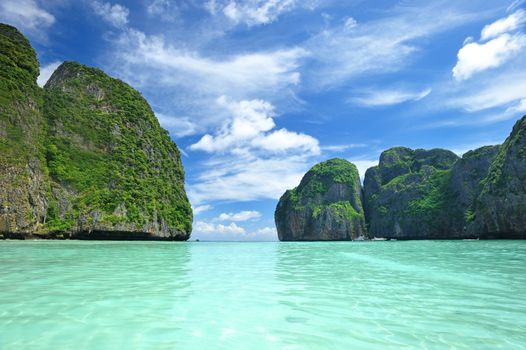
<point x="206" y="295"/>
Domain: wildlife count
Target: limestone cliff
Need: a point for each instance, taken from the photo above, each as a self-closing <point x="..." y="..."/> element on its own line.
<point x="500" y="209"/>
<point x="23" y="185"/>
<point x="407" y="196"/>
<point x="112" y="167"/>
<point x="327" y="205"/>
<point x="84" y="157"/>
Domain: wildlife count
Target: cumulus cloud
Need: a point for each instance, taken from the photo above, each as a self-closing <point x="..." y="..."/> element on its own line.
<point x="240" y="216"/>
<point x="46" y="71"/>
<point x="25" y="14"/>
<point x="189" y="83"/>
<point x="250" y="128"/>
<point x="251" y="160"/>
<point x="116" y="15"/>
<point x="499" y="42"/>
<point x="204" y="227"/>
<point x="475" y="57"/>
<point x="247" y="177"/>
<point x="374" y="98"/>
<point x="232" y="232"/>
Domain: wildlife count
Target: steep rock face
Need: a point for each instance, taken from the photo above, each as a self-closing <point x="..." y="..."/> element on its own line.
<point x="114" y="171"/>
<point x="465" y="186"/>
<point x="501" y="206"/>
<point x="22" y="170"/>
<point x="407" y="195"/>
<point x="84" y="158"/>
<point x="327" y="205"/>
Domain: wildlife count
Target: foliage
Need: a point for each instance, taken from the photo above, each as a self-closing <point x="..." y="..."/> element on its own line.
<point x="106" y="144"/>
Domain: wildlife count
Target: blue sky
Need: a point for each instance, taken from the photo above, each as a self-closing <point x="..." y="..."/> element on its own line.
<point x="255" y="92"/>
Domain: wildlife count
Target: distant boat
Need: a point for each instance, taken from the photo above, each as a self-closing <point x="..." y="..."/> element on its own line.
<point x="379" y="239"/>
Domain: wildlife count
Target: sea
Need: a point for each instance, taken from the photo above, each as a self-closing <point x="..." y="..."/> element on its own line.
<point x="263" y="295"/>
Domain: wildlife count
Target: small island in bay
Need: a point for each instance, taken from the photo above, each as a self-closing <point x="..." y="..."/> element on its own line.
<point x="84" y="157"/>
<point x="413" y="194"/>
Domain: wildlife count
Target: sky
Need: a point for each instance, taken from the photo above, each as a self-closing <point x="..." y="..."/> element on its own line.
<point x="255" y="92"/>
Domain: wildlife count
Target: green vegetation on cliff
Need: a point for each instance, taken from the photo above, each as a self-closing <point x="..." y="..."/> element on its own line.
<point x="408" y="191"/>
<point x="321" y="177"/>
<point x="102" y="124"/>
<point x="326" y="205"/>
<point x="22" y="169"/>
<point x="84" y="154"/>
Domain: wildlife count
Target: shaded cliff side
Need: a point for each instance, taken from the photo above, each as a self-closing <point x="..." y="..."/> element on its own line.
<point x="418" y="194"/>
<point x="84" y="157"/>
<point x="407" y="195"/>
<point x="481" y="195"/>
<point x="23" y="184"/>
<point x="500" y="209"/>
<point x="327" y="205"/>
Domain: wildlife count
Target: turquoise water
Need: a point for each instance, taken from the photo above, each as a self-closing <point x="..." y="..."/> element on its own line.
<point x="348" y="295"/>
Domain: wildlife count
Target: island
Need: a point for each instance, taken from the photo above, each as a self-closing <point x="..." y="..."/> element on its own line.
<point x="84" y="157"/>
<point x="413" y="194"/>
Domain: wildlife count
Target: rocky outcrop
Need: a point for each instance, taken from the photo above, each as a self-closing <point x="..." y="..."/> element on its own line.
<point x="407" y="196"/>
<point x="500" y="209"/>
<point x="465" y="186"/>
<point x="83" y="158"/>
<point x="327" y="205"/>
<point x="481" y="195"/>
<point x="23" y="185"/>
<point x="418" y="194"/>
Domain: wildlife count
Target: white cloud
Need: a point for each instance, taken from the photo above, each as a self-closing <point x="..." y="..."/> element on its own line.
<point x="250" y="160"/>
<point x="504" y="25"/>
<point x="375" y="98"/>
<point x="204" y="227"/>
<point x="188" y="83"/>
<point x="350" y="23"/>
<point x="499" y="42"/>
<point x="251" y="12"/>
<point x="246" y="177"/>
<point x="249" y="129"/>
<point x="232" y="232"/>
<point x="379" y="46"/>
<point x="25" y="14"/>
<point x="46" y="71"/>
<point x="265" y="234"/>
<point x="201" y="208"/>
<point x="475" y="57"/>
<point x="178" y="126"/>
<point x="116" y="15"/>
<point x="240" y="216"/>
<point x="500" y="90"/>
<point x="519" y="107"/>
<point x="167" y="65"/>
